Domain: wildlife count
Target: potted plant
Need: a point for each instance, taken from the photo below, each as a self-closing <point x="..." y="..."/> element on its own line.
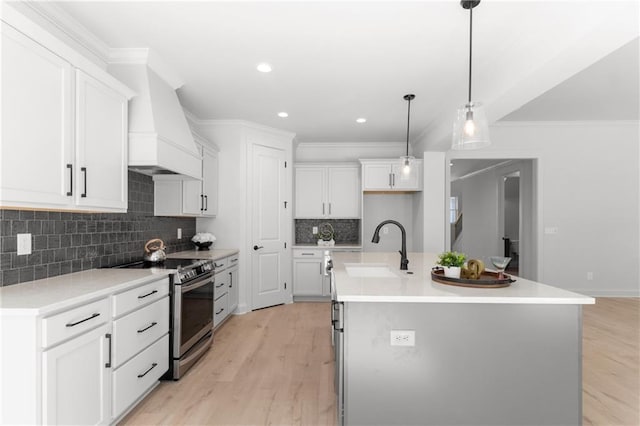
<point x="451" y="262"/>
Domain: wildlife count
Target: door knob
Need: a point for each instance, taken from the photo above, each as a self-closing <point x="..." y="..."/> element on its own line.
<point x="257" y="247"/>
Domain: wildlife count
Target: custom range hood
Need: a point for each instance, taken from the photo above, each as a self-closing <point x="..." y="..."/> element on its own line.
<point x="160" y="140"/>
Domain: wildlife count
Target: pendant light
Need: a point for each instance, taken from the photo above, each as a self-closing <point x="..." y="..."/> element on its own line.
<point x="407" y="159"/>
<point x="470" y="130"/>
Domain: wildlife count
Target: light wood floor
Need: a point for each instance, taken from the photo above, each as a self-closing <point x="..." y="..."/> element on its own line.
<point x="274" y="367"/>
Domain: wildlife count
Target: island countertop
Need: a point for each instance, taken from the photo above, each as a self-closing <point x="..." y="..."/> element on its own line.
<point x="419" y="288"/>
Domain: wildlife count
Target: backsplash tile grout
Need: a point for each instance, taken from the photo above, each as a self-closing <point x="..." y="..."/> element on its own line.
<point x="65" y="242"/>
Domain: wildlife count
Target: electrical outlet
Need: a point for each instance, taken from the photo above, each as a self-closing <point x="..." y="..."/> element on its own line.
<point x="179" y="233"/>
<point x="403" y="338"/>
<point x="385" y="229"/>
<point x="589" y="276"/>
<point x="24" y="244"/>
<point x="314" y="230"/>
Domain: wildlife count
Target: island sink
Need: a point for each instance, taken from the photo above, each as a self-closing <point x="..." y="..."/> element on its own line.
<point x="369" y="270"/>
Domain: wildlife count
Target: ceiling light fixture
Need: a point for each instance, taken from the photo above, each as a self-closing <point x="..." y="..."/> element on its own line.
<point x="406" y="159"/>
<point x="470" y="130"/>
<point x="283" y="114"/>
<point x="264" y="67"/>
<point x="361" y="120"/>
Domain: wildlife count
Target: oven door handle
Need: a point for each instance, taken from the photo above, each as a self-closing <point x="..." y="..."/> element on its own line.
<point x="197" y="284"/>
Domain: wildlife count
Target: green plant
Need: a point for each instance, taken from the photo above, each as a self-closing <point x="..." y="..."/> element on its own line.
<point x="451" y="258"/>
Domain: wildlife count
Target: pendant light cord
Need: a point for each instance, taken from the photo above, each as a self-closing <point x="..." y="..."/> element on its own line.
<point x="470" y="47"/>
<point x="408" y="118"/>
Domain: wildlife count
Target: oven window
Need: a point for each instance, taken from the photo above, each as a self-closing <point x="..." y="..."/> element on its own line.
<point x="197" y="311"/>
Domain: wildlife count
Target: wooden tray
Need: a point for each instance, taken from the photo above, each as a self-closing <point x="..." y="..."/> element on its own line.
<point x="487" y="280"/>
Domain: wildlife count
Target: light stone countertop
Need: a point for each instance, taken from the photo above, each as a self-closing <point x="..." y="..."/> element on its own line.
<point x="337" y="247"/>
<point x="48" y="295"/>
<point x="419" y="288"/>
<point x="213" y="254"/>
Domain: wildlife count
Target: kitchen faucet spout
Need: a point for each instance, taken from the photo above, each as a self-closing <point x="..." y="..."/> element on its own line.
<point x="403" y="252"/>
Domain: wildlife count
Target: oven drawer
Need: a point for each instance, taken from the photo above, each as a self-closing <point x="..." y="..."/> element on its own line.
<point x="133" y="332"/>
<point x="64" y="325"/>
<point x="220" y="309"/>
<point x="139" y="296"/>
<point x="135" y="377"/>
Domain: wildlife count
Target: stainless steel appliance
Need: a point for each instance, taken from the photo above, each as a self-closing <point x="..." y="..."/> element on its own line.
<point x="191" y="332"/>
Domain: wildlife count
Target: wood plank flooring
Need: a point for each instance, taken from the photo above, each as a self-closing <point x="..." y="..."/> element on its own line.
<point x="274" y="367"/>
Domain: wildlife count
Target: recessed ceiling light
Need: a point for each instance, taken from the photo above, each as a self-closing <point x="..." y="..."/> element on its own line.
<point x="361" y="120"/>
<point x="283" y="114"/>
<point x="264" y="67"/>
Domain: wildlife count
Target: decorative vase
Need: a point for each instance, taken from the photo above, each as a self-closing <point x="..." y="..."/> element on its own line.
<point x="451" y="271"/>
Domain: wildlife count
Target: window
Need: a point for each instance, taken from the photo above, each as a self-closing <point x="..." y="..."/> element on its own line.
<point x="453" y="209"/>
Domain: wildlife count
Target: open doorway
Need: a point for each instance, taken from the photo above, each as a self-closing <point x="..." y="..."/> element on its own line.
<point x="493" y="211"/>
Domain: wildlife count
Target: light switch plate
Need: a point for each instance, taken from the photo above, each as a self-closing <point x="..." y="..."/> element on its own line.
<point x="314" y="230"/>
<point x="179" y="233"/>
<point x="24" y="244"/>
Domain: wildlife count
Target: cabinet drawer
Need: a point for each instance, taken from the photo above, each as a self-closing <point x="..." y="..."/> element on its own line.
<point x="221" y="264"/>
<point x="139" y="296"/>
<point x="135" y="377"/>
<point x="220" y="309"/>
<point x="307" y="253"/>
<point x="64" y="325"/>
<point x="133" y="332"/>
<point x="221" y="286"/>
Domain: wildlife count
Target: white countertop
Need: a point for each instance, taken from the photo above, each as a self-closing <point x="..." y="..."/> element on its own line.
<point x="213" y="254"/>
<point x="48" y="295"/>
<point x="419" y="288"/>
<point x="337" y="247"/>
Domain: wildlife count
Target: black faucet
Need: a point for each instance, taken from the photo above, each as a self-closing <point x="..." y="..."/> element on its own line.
<point x="403" y="253"/>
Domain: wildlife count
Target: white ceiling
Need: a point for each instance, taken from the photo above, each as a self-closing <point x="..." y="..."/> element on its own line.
<point x="336" y="61"/>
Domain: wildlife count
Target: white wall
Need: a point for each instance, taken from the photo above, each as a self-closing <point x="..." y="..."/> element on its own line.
<point x="379" y="207"/>
<point x="589" y="189"/>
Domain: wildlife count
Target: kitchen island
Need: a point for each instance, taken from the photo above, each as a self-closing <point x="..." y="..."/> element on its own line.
<point x="413" y="351"/>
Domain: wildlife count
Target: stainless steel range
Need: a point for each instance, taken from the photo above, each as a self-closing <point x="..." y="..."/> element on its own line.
<point x="191" y="332"/>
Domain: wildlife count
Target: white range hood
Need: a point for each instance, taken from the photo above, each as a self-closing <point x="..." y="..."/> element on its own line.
<point x="160" y="140"/>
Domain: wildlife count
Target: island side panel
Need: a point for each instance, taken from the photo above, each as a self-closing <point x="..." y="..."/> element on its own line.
<point x="474" y="364"/>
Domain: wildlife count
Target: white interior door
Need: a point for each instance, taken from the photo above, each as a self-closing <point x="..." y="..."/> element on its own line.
<point x="270" y="228"/>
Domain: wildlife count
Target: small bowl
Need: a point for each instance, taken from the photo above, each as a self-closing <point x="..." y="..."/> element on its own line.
<point x="203" y="246"/>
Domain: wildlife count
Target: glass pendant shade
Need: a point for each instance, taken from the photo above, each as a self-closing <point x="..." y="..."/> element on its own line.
<point x="405" y="163"/>
<point x="470" y="129"/>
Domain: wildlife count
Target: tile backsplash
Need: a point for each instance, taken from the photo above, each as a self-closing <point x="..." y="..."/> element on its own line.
<point x="64" y="242"/>
<point x="346" y="231"/>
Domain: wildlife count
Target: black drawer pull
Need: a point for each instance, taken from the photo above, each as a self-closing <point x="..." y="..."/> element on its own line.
<point x="308" y="254"/>
<point x="148" y="294"/>
<point x="221" y="285"/>
<point x="81" y="321"/>
<point x="220" y="311"/>
<point x="148" y="327"/>
<point x="218" y="266"/>
<point x="150" y="368"/>
<point x="84" y="170"/>
<point x="108" y="363"/>
<point x="70" y="167"/>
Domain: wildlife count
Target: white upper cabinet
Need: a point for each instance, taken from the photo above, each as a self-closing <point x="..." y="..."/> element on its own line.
<point x="387" y="175"/>
<point x="37" y="124"/>
<point x="176" y="196"/>
<point x="64" y="142"/>
<point x="327" y="191"/>
<point x="101" y="144"/>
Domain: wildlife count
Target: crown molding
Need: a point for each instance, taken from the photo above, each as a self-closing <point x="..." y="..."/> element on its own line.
<point x="350" y="144"/>
<point x="583" y="123"/>
<point x="66" y="24"/>
<point x="244" y="124"/>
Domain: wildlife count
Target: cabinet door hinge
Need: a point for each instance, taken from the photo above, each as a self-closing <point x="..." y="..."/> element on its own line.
<point x="285" y="204"/>
<point x="285" y="245"/>
<point x="285" y="164"/>
<point x="285" y="286"/>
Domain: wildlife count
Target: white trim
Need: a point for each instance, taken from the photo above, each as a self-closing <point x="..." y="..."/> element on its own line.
<point x="350" y="144"/>
<point x="606" y="293"/>
<point x="486" y="169"/>
<point x="589" y="123"/>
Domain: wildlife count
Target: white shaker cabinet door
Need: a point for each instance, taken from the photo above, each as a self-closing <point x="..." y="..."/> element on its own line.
<point x="101" y="127"/>
<point x="210" y="183"/>
<point x="192" y="198"/>
<point x="377" y="177"/>
<point x="345" y="192"/>
<point x="76" y="386"/>
<point x="310" y="192"/>
<point x="307" y="277"/>
<point x="37" y="128"/>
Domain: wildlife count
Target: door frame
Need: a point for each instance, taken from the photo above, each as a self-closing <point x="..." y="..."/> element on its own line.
<point x="537" y="167"/>
<point x="276" y="140"/>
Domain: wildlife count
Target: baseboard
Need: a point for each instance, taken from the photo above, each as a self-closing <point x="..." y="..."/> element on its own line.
<point x="607" y="293"/>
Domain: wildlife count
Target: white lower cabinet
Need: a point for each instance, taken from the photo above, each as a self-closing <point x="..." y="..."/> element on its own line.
<point x="308" y="273"/>
<point x="76" y="382"/>
<point x="225" y="292"/>
<point x="87" y="364"/>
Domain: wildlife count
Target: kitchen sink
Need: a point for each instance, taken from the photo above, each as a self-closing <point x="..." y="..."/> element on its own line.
<point x="369" y="270"/>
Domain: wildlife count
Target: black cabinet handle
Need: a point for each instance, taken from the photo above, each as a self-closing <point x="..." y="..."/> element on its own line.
<point x="108" y="363"/>
<point x="201" y="202"/>
<point x="70" y="167"/>
<point x="148" y="327"/>
<point x="206" y="203"/>
<point x="230" y="280"/>
<point x="146" y="372"/>
<point x="84" y="170"/>
<point x="72" y="324"/>
<point x="221" y="285"/>
<point x="148" y="294"/>
<point x="220" y="311"/>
